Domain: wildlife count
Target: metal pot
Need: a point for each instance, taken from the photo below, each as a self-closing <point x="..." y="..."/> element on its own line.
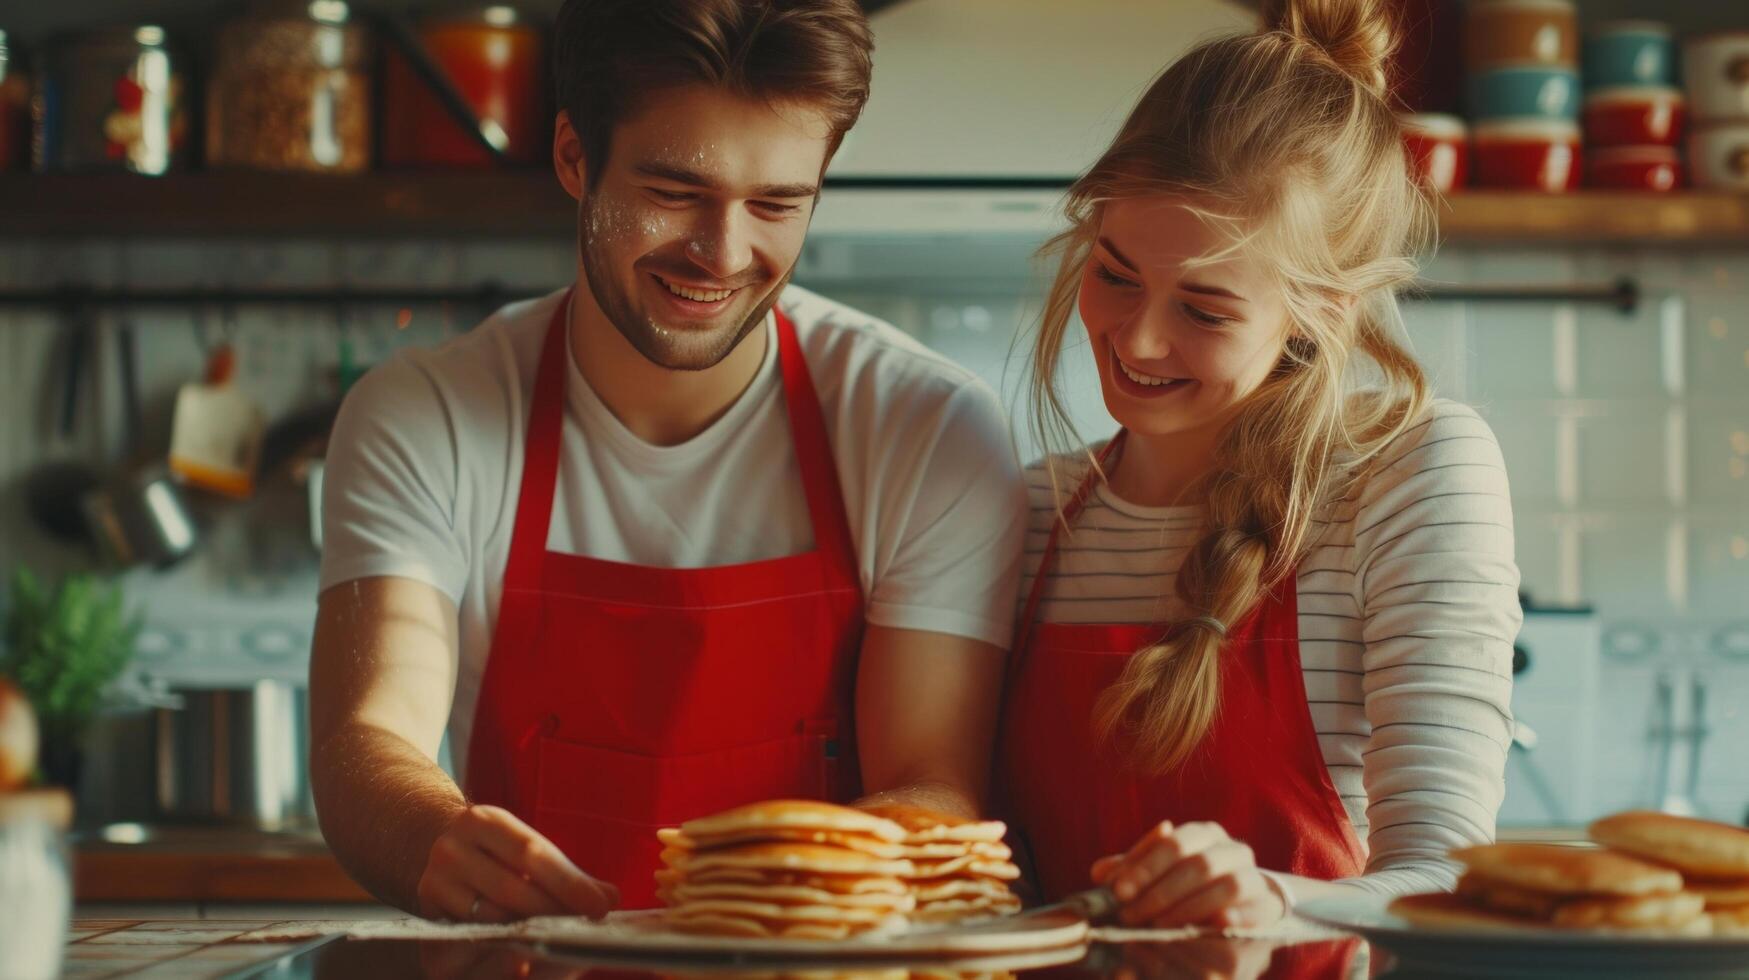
<point x="139" y="516"/>
<point x="235" y="755"/>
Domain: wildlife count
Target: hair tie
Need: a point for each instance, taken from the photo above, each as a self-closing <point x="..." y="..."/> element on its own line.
<point x="1209" y="623"/>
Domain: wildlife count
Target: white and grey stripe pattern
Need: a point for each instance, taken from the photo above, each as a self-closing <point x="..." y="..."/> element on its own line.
<point x="1408" y="608"/>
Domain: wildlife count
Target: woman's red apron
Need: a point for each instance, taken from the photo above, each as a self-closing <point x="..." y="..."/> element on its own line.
<point x="1258" y="772"/>
<point x="621" y="698"/>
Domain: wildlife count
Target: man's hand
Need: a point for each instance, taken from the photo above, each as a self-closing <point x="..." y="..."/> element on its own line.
<point x="488" y="866"/>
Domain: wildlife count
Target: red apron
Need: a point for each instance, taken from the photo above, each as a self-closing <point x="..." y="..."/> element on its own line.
<point x="621" y="698"/>
<point x="1258" y="772"/>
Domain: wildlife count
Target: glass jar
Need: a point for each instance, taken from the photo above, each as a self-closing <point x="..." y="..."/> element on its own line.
<point x="110" y="100"/>
<point x="35" y="882"/>
<point x="291" y="90"/>
<point x="14" y="108"/>
<point x="494" y="58"/>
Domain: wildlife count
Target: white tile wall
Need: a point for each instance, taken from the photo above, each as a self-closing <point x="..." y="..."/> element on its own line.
<point x="1626" y="436"/>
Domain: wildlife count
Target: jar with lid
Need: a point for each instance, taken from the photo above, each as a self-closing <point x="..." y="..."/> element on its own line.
<point x="35" y="882"/>
<point x="110" y="100"/>
<point x="291" y="90"/>
<point x="494" y="58"/>
<point x="14" y="107"/>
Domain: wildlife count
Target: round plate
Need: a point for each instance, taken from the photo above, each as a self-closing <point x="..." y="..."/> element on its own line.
<point x="646" y="933"/>
<point x="1506" y="952"/>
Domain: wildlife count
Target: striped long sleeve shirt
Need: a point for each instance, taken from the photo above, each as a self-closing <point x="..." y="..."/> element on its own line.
<point x="1408" y="608"/>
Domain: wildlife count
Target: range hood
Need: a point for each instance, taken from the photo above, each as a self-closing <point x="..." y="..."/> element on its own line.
<point x="1013" y="93"/>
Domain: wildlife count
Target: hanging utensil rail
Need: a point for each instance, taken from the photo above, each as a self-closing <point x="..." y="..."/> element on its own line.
<point x="1623" y="294"/>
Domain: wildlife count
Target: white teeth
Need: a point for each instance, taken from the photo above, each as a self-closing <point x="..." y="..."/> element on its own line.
<point x="1140" y="378"/>
<point x="696" y="295"/>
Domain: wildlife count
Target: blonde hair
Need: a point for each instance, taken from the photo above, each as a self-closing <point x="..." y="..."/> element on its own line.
<point x="1284" y="139"/>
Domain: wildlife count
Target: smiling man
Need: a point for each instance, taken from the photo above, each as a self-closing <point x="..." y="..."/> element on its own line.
<point x="676" y="538"/>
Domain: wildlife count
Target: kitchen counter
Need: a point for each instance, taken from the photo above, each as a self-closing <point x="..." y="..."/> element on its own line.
<point x="132" y="863"/>
<point x="188" y="949"/>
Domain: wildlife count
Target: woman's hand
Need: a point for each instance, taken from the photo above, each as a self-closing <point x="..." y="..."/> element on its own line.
<point x="1190" y="875"/>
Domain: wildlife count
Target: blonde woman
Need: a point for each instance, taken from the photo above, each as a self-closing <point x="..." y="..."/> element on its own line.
<point x="1267" y="639"/>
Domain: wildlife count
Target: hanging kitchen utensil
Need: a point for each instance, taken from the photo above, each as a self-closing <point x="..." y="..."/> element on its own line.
<point x="53" y="490"/>
<point x="215" y="440"/>
<point x="139" y="516"/>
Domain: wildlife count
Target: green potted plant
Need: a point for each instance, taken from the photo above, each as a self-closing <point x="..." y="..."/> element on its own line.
<point x="63" y="645"/>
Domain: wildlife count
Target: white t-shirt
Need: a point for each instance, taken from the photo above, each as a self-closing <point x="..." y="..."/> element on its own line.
<point x="1408" y="607"/>
<point x="426" y="460"/>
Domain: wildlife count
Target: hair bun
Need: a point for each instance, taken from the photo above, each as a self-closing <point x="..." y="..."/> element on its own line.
<point x="1356" y="35"/>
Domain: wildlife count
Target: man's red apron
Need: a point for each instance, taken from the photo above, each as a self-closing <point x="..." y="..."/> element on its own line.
<point x="1258" y="772"/>
<point x="621" y="698"/>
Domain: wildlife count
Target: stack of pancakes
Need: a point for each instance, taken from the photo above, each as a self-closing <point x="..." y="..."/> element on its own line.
<point x="1712" y="857"/>
<point x="792" y="869"/>
<point x="1516" y="885"/>
<point x="961" y="868"/>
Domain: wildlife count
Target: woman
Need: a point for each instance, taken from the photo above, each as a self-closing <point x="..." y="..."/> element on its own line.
<point x="1272" y="618"/>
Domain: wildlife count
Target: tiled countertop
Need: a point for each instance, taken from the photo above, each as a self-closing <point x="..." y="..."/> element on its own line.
<point x="159" y="949"/>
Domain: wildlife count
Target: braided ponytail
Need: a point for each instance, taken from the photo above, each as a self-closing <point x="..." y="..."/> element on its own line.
<point x="1286" y="138"/>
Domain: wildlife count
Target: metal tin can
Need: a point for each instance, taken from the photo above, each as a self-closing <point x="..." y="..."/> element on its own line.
<point x="494" y="58"/>
<point x="111" y="100"/>
<point x="291" y="90"/>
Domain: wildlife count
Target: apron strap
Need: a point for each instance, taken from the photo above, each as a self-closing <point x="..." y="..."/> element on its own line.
<point x="540" y="458"/>
<point x="1071" y="510"/>
<point x="814" y="453"/>
<point x="540" y="464"/>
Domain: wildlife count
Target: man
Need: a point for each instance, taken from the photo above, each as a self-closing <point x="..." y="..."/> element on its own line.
<point x="679" y="538"/>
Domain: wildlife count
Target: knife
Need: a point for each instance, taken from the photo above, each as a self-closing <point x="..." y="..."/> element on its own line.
<point x="1095" y="905"/>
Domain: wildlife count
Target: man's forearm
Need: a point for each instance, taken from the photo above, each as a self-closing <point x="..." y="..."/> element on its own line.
<point x="935" y="795"/>
<point x="382" y="803"/>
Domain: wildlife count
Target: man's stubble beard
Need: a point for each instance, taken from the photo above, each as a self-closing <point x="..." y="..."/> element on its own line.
<point x="676" y="350"/>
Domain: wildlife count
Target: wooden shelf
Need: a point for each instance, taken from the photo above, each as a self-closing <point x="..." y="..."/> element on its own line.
<point x="529" y="203"/>
<point x="1687" y="218"/>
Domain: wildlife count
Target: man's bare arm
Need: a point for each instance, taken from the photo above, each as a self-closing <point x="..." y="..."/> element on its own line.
<point x="382" y="676"/>
<point x="926" y="709"/>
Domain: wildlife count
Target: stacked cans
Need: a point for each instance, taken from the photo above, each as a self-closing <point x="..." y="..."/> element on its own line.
<point x="1635" y="115"/>
<point x="1717" y="70"/>
<point x="1522" y="93"/>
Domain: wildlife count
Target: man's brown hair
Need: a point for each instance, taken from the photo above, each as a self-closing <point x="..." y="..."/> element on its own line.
<point x="607" y="53"/>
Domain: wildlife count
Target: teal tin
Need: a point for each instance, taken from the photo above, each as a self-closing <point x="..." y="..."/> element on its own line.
<point x="1524" y="92"/>
<point x="1630" y="52"/>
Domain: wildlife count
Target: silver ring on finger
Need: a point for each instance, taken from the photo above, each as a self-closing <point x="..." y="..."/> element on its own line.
<point x="474" y="909"/>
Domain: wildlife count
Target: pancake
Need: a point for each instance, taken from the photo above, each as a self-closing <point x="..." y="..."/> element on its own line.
<point x="773" y="912"/>
<point x="1505" y="898"/>
<point x="923" y="826"/>
<point x="793" y="815"/>
<point x="1444" y="911"/>
<point x="835" y="884"/>
<point x="1732" y="921"/>
<point x="1695" y="847"/>
<point x="962" y="908"/>
<point x="1645" y="913"/>
<point x="1718" y="894"/>
<point x="1561" y="870"/>
<point x="941" y="890"/>
<point x="968" y="864"/>
<point x="784" y="856"/>
<point x="688" y="892"/>
<point x="756" y="923"/>
<point x="952" y="849"/>
<point x="864" y="843"/>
